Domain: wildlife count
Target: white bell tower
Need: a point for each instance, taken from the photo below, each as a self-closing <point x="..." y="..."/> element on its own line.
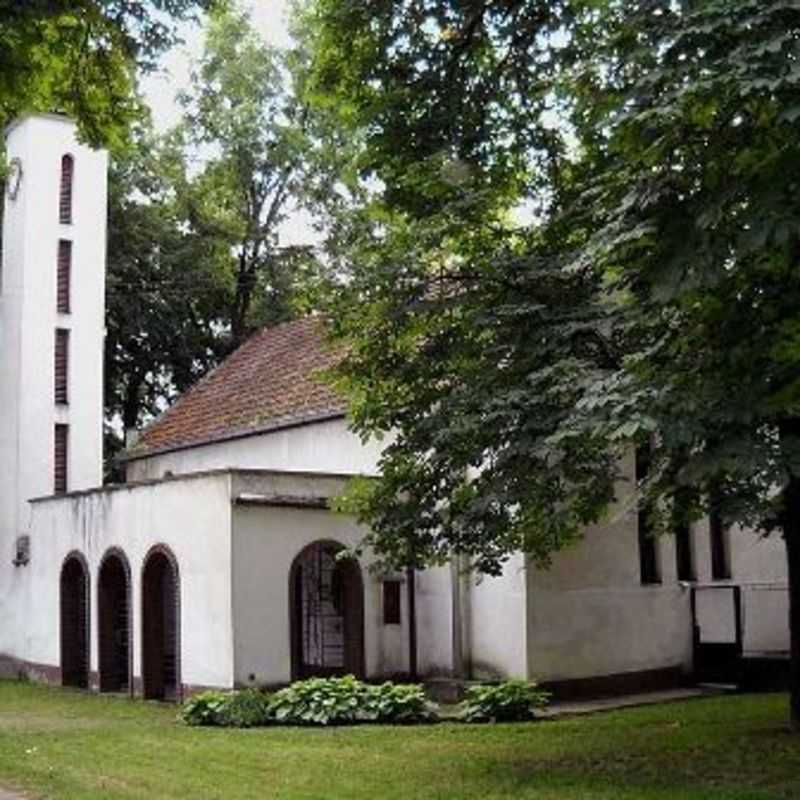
<point x="52" y="308"/>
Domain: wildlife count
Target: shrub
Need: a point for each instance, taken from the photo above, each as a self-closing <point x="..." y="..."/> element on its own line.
<point x="247" y="708"/>
<point x="317" y="701"/>
<point x="404" y="704"/>
<point x="320" y="701"/>
<point x="345" y="701"/>
<point x="509" y="701"/>
<point x="204" y="708"/>
<point x="243" y="709"/>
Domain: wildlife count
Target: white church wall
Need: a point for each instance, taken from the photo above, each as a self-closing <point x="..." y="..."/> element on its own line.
<point x="326" y="446"/>
<point x="266" y="540"/>
<point x="589" y="615"/>
<point x="497" y="623"/>
<point x="191" y="517"/>
<point x="434" y="598"/>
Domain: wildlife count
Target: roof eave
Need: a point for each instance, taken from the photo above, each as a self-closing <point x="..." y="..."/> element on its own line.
<point x="227" y="436"/>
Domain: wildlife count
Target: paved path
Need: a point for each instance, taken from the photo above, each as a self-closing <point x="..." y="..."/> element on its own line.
<point x="5" y="795"/>
<point x="624" y="701"/>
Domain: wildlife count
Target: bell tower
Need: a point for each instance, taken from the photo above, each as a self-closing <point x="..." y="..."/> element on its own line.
<point x="52" y="308"/>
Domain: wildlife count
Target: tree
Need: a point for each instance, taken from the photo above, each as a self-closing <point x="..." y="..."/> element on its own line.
<point x="518" y="365"/>
<point x="247" y="131"/>
<point x="80" y="56"/>
<point x="165" y="295"/>
<point x="195" y="260"/>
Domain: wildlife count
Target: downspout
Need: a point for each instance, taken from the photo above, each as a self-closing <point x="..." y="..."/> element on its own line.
<point x="412" y="623"/>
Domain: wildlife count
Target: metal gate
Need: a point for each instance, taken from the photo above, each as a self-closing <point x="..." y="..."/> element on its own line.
<point x="327" y="613"/>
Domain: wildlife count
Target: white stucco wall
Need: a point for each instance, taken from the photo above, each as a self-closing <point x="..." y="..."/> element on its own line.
<point x="28" y="320"/>
<point x="589" y="615"/>
<point x="326" y="447"/>
<point x="497" y="623"/>
<point x="192" y="517"/>
<point x="266" y="540"/>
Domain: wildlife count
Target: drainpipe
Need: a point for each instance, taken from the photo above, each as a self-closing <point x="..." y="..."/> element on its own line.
<point x="412" y="623"/>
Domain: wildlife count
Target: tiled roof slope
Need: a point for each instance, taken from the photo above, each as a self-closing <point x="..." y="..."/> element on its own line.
<point x="270" y="381"/>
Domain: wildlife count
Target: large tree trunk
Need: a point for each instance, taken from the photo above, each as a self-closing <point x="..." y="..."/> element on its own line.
<point x="791" y="533"/>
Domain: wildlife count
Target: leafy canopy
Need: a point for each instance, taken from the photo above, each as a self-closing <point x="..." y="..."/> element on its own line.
<point x="80" y="57"/>
<point x="653" y="298"/>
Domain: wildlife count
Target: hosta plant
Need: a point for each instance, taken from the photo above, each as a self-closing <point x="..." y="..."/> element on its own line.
<point x="509" y="701"/>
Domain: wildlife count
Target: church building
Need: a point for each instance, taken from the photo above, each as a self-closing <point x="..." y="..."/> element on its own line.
<point x="215" y="564"/>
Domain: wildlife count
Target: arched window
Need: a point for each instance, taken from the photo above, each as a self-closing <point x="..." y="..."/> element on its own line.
<point x="161" y="625"/>
<point x="65" y="195"/>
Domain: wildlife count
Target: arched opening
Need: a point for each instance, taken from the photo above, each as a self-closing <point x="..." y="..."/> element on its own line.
<point x="326" y="597"/>
<point x="65" y="192"/>
<point x="75" y="622"/>
<point x="114" y="623"/>
<point x="161" y="626"/>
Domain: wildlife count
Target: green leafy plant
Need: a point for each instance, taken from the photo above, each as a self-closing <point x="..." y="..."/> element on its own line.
<point x="248" y="708"/>
<point x="404" y="704"/>
<point x="241" y="709"/>
<point x="204" y="708"/>
<point x="347" y="701"/>
<point x="316" y="701"/>
<point x="509" y="701"/>
<point x="321" y="701"/>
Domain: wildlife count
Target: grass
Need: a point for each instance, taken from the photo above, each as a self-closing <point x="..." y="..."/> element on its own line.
<point x="61" y="744"/>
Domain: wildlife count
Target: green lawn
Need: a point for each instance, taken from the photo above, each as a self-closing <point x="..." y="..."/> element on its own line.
<point x="61" y="744"/>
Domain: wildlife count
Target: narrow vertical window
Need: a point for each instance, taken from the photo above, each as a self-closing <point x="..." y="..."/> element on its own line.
<point x="683" y="553"/>
<point x="391" y="602"/>
<point x="720" y="557"/>
<point x="65" y="194"/>
<point x="648" y="556"/>
<point x="64" y="276"/>
<point x="61" y="459"/>
<point x="62" y="367"/>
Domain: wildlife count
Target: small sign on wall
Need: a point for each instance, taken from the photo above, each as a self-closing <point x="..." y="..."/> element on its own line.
<point x="22" y="551"/>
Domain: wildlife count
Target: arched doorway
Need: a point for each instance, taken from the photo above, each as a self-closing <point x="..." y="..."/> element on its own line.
<point x="114" y="622"/>
<point x="74" y="591"/>
<point x="161" y="625"/>
<point x="326" y="613"/>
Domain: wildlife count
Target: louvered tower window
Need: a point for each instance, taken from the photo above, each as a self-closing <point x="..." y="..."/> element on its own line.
<point x="62" y="367"/>
<point x="65" y="194"/>
<point x="61" y="459"/>
<point x="64" y="270"/>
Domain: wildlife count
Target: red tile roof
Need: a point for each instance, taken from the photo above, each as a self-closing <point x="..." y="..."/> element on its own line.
<point x="271" y="381"/>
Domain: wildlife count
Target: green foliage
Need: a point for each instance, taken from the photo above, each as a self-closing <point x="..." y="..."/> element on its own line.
<point x="509" y="701"/>
<point x="653" y="298"/>
<point x="344" y="701"/>
<point x="316" y="701"/>
<point x="518" y="364"/>
<point x="241" y="114"/>
<point x="248" y="708"/>
<point x="80" y="57"/>
<point x="399" y="704"/>
<point x="205" y="708"/>
<point x="165" y="296"/>
<point x="195" y="258"/>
